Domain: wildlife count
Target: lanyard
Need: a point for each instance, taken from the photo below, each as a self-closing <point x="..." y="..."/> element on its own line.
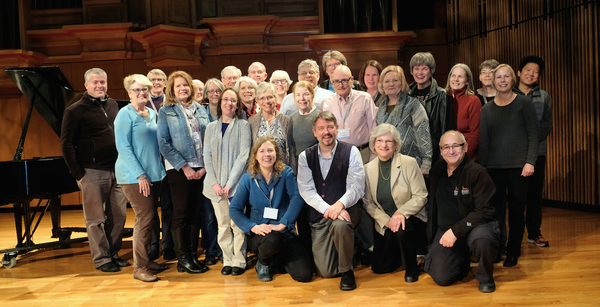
<point x="263" y="193"/>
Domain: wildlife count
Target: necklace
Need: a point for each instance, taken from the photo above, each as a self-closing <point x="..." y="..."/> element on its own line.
<point x="381" y="173"/>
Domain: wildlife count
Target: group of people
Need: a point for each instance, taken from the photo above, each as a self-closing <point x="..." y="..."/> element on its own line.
<point x="410" y="175"/>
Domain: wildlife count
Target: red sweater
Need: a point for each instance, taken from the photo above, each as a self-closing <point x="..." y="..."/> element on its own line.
<point x="466" y="116"/>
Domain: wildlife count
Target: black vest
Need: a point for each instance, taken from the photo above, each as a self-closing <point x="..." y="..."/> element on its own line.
<point x="332" y="188"/>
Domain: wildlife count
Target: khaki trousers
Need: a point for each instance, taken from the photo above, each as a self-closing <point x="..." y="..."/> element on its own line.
<point x="231" y="238"/>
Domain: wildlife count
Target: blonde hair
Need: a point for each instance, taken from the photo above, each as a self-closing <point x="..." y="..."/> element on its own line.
<point x="397" y="69"/>
<point x="510" y="71"/>
<point x="254" y="166"/>
<point x="136" y="78"/>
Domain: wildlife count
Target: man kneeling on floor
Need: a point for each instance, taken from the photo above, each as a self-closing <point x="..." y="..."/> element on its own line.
<point x="461" y="219"/>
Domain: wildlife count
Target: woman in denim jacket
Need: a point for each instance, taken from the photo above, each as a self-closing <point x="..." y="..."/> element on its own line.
<point x="181" y="126"/>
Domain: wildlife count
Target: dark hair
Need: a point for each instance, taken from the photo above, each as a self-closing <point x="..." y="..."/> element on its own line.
<point x="361" y="75"/>
<point x="238" y="110"/>
<point x="532" y="59"/>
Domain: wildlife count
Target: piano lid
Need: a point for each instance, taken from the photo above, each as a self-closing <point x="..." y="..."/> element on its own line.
<point x="50" y="89"/>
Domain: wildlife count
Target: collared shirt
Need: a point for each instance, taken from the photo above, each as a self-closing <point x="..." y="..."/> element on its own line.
<point x="355" y="180"/>
<point x="289" y="106"/>
<point x="356" y="112"/>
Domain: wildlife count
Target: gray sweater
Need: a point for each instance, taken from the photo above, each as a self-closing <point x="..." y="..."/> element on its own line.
<point x="508" y="135"/>
<point x="302" y="131"/>
<point x="286" y="126"/>
<point x="225" y="156"/>
<point x="543" y="107"/>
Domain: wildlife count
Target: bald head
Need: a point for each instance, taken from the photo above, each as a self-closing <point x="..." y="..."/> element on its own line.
<point x="342" y="79"/>
<point x="453" y="147"/>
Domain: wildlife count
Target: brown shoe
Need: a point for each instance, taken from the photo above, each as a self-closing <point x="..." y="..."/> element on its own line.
<point x="144" y="275"/>
<point x="153" y="266"/>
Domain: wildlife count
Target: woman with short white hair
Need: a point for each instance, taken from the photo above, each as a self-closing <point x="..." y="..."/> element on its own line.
<point x="281" y="81"/>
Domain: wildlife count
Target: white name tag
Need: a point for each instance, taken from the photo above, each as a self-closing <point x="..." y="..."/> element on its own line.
<point x="344" y="134"/>
<point x="270" y="213"/>
<point x="196" y="137"/>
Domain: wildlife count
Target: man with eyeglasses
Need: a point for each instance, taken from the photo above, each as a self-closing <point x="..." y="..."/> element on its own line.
<point x="308" y="70"/>
<point x="331" y="60"/>
<point x="461" y="219"/>
<point x="354" y="110"/>
<point x="230" y="75"/>
<point x="257" y="72"/>
<point x="157" y="97"/>
<point x="88" y="145"/>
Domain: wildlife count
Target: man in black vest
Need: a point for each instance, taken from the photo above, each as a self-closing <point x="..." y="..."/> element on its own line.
<point x="331" y="180"/>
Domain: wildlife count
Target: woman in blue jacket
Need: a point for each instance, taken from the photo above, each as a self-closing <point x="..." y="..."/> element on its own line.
<point x="269" y="191"/>
<point x="181" y="126"/>
<point x="139" y="170"/>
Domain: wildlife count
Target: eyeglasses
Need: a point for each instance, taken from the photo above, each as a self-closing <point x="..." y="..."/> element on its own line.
<point x="333" y="65"/>
<point x="387" y="142"/>
<point x="266" y="98"/>
<point x="343" y="81"/>
<point x="214" y="91"/>
<point x="446" y="148"/>
<point x="157" y="80"/>
<point x="280" y="81"/>
<point x="232" y="100"/>
<point x="138" y="90"/>
<point x="311" y="73"/>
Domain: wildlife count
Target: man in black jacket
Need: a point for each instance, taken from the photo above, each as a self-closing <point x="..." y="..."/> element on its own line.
<point x="461" y="217"/>
<point x="88" y="146"/>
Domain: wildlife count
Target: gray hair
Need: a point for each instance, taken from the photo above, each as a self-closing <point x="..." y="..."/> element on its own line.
<point x="333" y="54"/>
<point x="157" y="71"/>
<point x="470" y="87"/>
<point x="94" y="71"/>
<point x="281" y="74"/>
<point x="309" y="62"/>
<point x="491" y="64"/>
<point x="261" y="65"/>
<point x="381" y="130"/>
<point x="423" y="58"/>
<point x="244" y="79"/>
<point x="264" y="87"/>
<point x="208" y="83"/>
<point x="237" y="71"/>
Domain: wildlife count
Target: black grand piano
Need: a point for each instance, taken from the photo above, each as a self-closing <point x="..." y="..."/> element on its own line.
<point x="44" y="179"/>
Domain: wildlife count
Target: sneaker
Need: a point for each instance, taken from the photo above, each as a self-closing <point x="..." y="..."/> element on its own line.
<point x="539" y="241"/>
<point x="263" y="272"/>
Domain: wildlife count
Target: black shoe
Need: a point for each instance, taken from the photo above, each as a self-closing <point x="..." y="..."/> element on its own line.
<point x="108" y="267"/>
<point x="120" y="262"/>
<point x="169" y="254"/>
<point x="348" y="283"/>
<point x="511" y="261"/>
<point x="226" y="270"/>
<point x="186" y="264"/>
<point x="199" y="263"/>
<point x="236" y="271"/>
<point x="503" y="249"/>
<point x="153" y="255"/>
<point x="411" y="277"/>
<point x="487" y="287"/>
<point x="210" y="260"/>
<point x="263" y="272"/>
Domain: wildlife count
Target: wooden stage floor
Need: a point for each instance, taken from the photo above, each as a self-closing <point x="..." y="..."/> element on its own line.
<point x="567" y="274"/>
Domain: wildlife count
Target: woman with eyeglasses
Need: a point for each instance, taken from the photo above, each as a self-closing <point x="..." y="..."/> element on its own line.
<point x="395" y="195"/>
<point x="281" y="81"/>
<point x="181" y="126"/>
<point x="269" y="121"/>
<point x="508" y="148"/>
<point x="407" y="115"/>
<point x="212" y="92"/>
<point x="226" y="150"/>
<point x="139" y="170"/>
<point x="487" y="92"/>
<point x="246" y="89"/>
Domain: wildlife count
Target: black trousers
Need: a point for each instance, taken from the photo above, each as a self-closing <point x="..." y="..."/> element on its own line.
<point x="166" y="209"/>
<point x="446" y="265"/>
<point x="187" y="200"/>
<point x="533" y="219"/>
<point x="290" y="254"/>
<point x="509" y="182"/>
<point x="395" y="249"/>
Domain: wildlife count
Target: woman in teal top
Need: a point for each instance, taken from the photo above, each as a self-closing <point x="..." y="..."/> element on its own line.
<point x="139" y="169"/>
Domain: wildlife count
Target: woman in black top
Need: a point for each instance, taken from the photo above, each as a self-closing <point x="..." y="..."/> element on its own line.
<point x="508" y="145"/>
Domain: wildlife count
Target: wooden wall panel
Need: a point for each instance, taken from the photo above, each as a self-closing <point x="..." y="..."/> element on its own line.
<point x="567" y="39"/>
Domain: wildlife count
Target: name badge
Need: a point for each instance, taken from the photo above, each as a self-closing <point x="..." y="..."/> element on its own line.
<point x="196" y="136"/>
<point x="343" y="134"/>
<point x="270" y="213"/>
